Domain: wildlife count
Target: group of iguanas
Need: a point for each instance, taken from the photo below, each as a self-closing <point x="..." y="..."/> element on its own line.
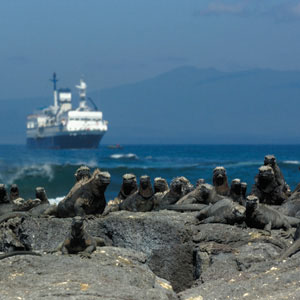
<point x="270" y="205"/>
<point x="85" y="198"/>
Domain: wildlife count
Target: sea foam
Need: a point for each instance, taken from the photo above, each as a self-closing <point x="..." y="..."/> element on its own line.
<point x="121" y="156"/>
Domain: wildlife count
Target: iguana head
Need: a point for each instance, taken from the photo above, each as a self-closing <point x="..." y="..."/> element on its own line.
<point x="205" y="190"/>
<point x="219" y="176"/>
<point x="244" y="188"/>
<point x="176" y="186"/>
<point x="83" y="172"/>
<point x="129" y="184"/>
<point x="220" y="181"/>
<point x="266" y="176"/>
<point x="251" y="202"/>
<point x="160" y="185"/>
<point x="145" y="189"/>
<point x="235" y="188"/>
<point x="270" y="160"/>
<point x="3" y="193"/>
<point x="77" y="226"/>
<point x="239" y="212"/>
<point x="101" y="179"/>
<point x="40" y="193"/>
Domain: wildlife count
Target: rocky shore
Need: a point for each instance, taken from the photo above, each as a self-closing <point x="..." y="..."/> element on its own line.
<point x="182" y="246"/>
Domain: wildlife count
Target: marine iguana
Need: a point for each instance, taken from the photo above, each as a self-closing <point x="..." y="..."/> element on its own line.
<point x="128" y="188"/>
<point x="142" y="200"/>
<point x="265" y="217"/>
<point x="224" y="211"/>
<point x="266" y="187"/>
<point x="40" y="193"/>
<point x="82" y="173"/>
<point x="187" y="187"/>
<point x="244" y="193"/>
<point x="236" y="190"/>
<point x="13" y="192"/>
<point x="291" y="208"/>
<point x="85" y="198"/>
<point x="203" y="193"/>
<point x="78" y="241"/>
<point x="220" y="181"/>
<point x="14" y="253"/>
<point x="160" y="185"/>
<point x="3" y="194"/>
<point x="294" y="248"/>
<point x="270" y="160"/>
<point x="171" y="196"/>
<point x="200" y="181"/>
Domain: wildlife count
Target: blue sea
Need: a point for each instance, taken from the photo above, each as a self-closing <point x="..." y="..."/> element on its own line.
<point x="54" y="169"/>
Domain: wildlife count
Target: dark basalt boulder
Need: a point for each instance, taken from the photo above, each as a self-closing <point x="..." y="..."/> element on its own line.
<point x="110" y="273"/>
<point x="12" y="237"/>
<point x="232" y="262"/>
<point x="213" y="261"/>
<point x="265" y="278"/>
<point x="164" y="237"/>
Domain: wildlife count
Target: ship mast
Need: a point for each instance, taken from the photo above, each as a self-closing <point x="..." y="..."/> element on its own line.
<point x="54" y="80"/>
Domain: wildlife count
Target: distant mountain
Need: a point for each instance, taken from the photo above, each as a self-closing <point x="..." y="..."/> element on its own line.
<point x="189" y="105"/>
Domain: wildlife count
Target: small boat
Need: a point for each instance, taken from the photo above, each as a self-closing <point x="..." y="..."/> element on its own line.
<point x="116" y="146"/>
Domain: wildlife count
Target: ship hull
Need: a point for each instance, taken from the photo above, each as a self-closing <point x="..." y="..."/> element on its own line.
<point x="65" y="141"/>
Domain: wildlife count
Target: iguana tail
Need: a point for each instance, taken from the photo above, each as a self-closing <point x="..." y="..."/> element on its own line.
<point x="291" y="250"/>
<point x="13" y="253"/>
<point x="294" y="222"/>
<point x="184" y="207"/>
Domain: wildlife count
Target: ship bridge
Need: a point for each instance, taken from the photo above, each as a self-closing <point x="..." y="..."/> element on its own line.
<point x="86" y="120"/>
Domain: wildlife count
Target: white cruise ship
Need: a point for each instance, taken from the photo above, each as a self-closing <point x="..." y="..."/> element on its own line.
<point x="61" y="127"/>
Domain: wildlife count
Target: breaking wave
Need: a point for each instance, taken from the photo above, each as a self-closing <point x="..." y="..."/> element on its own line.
<point x="56" y="200"/>
<point x="291" y="162"/>
<point x="126" y="156"/>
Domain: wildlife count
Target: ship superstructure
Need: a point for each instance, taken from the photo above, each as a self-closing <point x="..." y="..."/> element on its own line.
<point x="60" y="127"/>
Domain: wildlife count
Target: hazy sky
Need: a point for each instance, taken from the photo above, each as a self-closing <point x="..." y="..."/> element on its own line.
<point x="112" y="42"/>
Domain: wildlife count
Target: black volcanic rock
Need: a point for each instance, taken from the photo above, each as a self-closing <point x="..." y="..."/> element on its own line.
<point x="111" y="273"/>
<point x="199" y="261"/>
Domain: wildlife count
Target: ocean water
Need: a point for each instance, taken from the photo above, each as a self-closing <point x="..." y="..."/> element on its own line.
<point x="54" y="169"/>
